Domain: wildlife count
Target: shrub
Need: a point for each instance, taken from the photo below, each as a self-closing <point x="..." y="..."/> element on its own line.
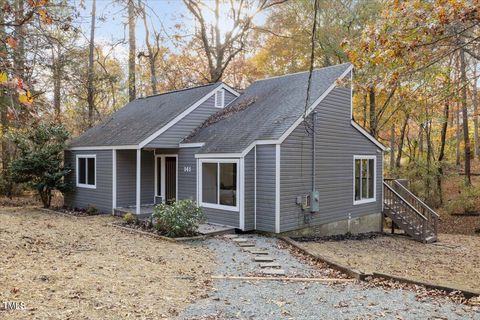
<point x="40" y="161"/>
<point x="91" y="210"/>
<point x="466" y="202"/>
<point x="130" y="218"/>
<point x="180" y="219"/>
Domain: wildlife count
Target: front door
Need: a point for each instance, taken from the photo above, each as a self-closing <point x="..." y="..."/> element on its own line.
<point x="170" y="179"/>
<point x="166" y="177"/>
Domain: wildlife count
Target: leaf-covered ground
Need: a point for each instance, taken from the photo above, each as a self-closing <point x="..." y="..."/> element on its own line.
<point x="453" y="261"/>
<point x="81" y="268"/>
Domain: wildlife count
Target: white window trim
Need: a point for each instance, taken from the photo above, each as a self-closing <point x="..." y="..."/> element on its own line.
<point x="222" y="102"/>
<point x="369" y="200"/>
<point x="162" y="169"/>
<point x="86" y="156"/>
<point x="200" y="184"/>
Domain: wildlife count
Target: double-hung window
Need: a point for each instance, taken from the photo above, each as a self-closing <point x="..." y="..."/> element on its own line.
<point x="86" y="171"/>
<point x="219" y="184"/>
<point x="364" y="179"/>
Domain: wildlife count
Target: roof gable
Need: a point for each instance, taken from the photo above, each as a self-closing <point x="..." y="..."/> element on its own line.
<point x="278" y="105"/>
<point x="142" y="118"/>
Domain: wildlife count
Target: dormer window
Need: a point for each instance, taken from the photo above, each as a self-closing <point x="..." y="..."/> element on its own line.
<point x="220" y="98"/>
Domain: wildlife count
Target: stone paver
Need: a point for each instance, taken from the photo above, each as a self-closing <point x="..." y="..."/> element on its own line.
<point x="270" y="265"/>
<point x="274" y="272"/>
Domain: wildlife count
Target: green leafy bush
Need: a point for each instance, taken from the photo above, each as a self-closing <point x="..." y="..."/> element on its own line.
<point x="130" y="218"/>
<point x="40" y="161"/>
<point x="466" y="202"/>
<point x="179" y="219"/>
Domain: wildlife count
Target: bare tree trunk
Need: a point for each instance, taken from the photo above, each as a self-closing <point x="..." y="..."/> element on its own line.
<point x="475" y="113"/>
<point x="466" y="136"/>
<point x="401" y="141"/>
<point x="365" y="107"/>
<point x="441" y="155"/>
<point x="373" y="112"/>
<point x="420" y="140"/>
<point x="57" y="82"/>
<point x="392" y="148"/>
<point x="151" y="54"/>
<point x="132" y="92"/>
<point x="458" y="136"/>
<point x="90" y="87"/>
<point x="4" y="112"/>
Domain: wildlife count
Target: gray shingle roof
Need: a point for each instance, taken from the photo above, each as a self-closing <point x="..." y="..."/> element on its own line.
<point x="278" y="103"/>
<point x="141" y="118"/>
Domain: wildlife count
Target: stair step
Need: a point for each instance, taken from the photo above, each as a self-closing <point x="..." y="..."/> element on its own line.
<point x="246" y="244"/>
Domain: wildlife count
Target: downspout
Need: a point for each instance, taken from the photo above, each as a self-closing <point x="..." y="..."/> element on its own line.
<point x="314" y="119"/>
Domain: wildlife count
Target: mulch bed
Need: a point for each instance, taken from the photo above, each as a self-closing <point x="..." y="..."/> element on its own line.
<point x="72" y="212"/>
<point x="143" y="228"/>
<point x="339" y="237"/>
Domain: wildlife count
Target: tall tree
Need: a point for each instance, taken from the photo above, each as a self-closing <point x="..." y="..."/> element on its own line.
<point x="132" y="91"/>
<point x="220" y="46"/>
<point x="466" y="133"/>
<point x="91" y="69"/>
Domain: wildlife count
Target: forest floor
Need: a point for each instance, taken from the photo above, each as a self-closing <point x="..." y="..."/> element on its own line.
<point x="453" y="261"/>
<point x="64" y="267"/>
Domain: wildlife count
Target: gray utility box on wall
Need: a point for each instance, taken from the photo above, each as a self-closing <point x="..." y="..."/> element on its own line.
<point x="314" y="201"/>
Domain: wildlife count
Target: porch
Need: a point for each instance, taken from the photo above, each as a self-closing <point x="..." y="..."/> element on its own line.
<point x="143" y="178"/>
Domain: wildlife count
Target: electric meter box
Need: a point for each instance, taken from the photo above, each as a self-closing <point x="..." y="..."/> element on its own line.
<point x="314" y="201"/>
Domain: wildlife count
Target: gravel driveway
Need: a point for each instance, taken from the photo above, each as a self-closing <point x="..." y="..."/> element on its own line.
<point x="234" y="299"/>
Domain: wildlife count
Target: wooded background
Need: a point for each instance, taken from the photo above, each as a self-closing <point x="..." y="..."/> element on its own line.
<point x="415" y="83"/>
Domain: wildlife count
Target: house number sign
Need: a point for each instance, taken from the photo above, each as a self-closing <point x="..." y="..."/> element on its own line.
<point x="187" y="169"/>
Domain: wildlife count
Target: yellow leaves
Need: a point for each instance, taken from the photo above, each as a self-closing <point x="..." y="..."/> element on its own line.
<point x="3" y="78"/>
<point x="25" y="98"/>
<point x="11" y="42"/>
<point x="37" y="3"/>
<point x="44" y="16"/>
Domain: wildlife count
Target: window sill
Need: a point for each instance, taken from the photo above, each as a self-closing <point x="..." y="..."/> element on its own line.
<point x="219" y="206"/>
<point x="364" y="201"/>
<point x="86" y="186"/>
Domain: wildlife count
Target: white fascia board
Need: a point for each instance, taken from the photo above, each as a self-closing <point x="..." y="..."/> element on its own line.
<point x="181" y="116"/>
<point x="125" y="147"/>
<point x="191" y="145"/>
<point x="314" y="105"/>
<point x="368" y="135"/>
<point x="218" y="155"/>
<point x="224" y="86"/>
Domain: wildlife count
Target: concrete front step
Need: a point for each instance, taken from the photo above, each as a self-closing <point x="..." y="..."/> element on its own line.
<point x="270" y="265"/>
<point x="274" y="272"/>
<point x="231" y="236"/>
<point x="263" y="259"/>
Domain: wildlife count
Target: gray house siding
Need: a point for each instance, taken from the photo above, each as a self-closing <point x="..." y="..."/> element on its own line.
<point x="336" y="143"/>
<point x="101" y="196"/>
<point x="266" y="188"/>
<point x="223" y="217"/>
<point x="249" y="196"/>
<point x="174" y="135"/>
<point x="147" y="180"/>
<point x="126" y="177"/>
<point x="187" y="173"/>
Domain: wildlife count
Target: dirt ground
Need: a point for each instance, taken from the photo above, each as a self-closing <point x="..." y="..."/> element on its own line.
<point x="453" y="261"/>
<point x="81" y="268"/>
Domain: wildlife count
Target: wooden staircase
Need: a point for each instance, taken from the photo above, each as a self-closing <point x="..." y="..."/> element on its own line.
<point x="408" y="212"/>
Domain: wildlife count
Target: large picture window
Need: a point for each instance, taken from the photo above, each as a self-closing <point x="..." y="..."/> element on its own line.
<point x="86" y="171"/>
<point x="364" y="179"/>
<point x="219" y="185"/>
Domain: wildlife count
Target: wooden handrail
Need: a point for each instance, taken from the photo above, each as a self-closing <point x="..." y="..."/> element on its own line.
<point x="416" y="198"/>
<point x="405" y="202"/>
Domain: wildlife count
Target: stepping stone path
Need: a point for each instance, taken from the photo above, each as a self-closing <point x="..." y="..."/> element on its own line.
<point x="270" y="265"/>
<point x="267" y="263"/>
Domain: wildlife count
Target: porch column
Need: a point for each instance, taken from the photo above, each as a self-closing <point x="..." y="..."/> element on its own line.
<point x="139" y="161"/>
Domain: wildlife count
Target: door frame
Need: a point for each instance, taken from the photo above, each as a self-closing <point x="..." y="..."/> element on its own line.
<point x="162" y="171"/>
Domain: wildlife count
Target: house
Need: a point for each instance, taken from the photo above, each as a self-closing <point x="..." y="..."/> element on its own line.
<point x="269" y="159"/>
